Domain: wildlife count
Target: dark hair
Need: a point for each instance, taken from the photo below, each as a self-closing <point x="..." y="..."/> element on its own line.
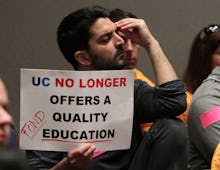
<point x="200" y="61"/>
<point x="118" y="14"/>
<point x="73" y="33"/>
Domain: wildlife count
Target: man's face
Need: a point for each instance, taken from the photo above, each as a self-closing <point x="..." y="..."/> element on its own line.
<point x="106" y="46"/>
<point x="3" y="95"/>
<point x="5" y="118"/>
<point x="132" y="50"/>
<point x="5" y="122"/>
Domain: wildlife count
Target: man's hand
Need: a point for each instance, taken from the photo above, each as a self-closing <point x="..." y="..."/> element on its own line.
<point x="136" y="30"/>
<point x="77" y="159"/>
<point x="80" y="157"/>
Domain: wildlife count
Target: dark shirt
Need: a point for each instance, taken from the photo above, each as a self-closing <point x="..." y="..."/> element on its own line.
<point x="150" y="104"/>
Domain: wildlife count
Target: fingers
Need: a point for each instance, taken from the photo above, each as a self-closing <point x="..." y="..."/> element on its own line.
<point x="137" y="30"/>
<point x="90" y="150"/>
<point x="82" y="151"/>
<point x="82" y="155"/>
<point x="130" y="23"/>
<point x="87" y="149"/>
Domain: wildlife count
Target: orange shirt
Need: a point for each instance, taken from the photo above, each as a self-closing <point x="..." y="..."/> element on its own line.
<point x="183" y="116"/>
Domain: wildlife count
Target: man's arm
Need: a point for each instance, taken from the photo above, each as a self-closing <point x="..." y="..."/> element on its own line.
<point x="137" y="31"/>
<point x="165" y="100"/>
<point x="76" y="159"/>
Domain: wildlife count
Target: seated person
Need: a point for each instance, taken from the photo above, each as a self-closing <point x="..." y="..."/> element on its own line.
<point x="203" y="58"/>
<point x="5" y="125"/>
<point x="132" y="50"/>
<point x="7" y="133"/>
<point x="204" y="121"/>
<point x="89" y="40"/>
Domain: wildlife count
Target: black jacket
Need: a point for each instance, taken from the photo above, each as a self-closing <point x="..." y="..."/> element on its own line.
<point x="150" y="103"/>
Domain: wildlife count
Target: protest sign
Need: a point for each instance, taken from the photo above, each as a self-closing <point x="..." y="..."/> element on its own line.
<point x="63" y="109"/>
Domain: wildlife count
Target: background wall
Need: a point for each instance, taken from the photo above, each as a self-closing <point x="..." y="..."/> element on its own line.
<point x="28" y="33"/>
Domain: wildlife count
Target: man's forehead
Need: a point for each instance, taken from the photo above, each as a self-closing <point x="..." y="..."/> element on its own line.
<point x="102" y="26"/>
<point x="3" y="94"/>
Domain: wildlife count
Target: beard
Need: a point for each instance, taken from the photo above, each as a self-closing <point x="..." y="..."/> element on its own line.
<point x="117" y="62"/>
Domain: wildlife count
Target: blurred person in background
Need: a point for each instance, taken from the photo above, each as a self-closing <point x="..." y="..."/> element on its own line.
<point x="7" y="131"/>
<point x="203" y="119"/>
<point x="132" y="50"/>
<point x="10" y="156"/>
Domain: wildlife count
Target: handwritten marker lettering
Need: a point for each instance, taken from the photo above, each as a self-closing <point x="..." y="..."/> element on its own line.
<point x="31" y="127"/>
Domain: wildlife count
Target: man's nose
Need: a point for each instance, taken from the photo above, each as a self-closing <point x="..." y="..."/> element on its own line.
<point x="119" y="40"/>
<point x="128" y="46"/>
<point x="5" y="116"/>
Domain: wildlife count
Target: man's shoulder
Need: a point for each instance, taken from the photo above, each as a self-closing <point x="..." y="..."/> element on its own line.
<point x="141" y="76"/>
<point x="139" y="82"/>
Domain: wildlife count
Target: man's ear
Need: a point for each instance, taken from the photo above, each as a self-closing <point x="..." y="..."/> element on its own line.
<point x="83" y="57"/>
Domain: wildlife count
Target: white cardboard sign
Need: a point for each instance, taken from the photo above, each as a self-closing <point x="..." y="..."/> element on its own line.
<point x="62" y="109"/>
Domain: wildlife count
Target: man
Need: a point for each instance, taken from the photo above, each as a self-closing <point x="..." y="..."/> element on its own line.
<point x="5" y="124"/>
<point x="89" y="41"/>
<point x="9" y="158"/>
<point x="132" y="50"/>
<point x="5" y="117"/>
<point x="8" y="131"/>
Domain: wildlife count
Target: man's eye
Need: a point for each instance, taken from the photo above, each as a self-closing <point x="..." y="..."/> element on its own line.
<point x="105" y="38"/>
